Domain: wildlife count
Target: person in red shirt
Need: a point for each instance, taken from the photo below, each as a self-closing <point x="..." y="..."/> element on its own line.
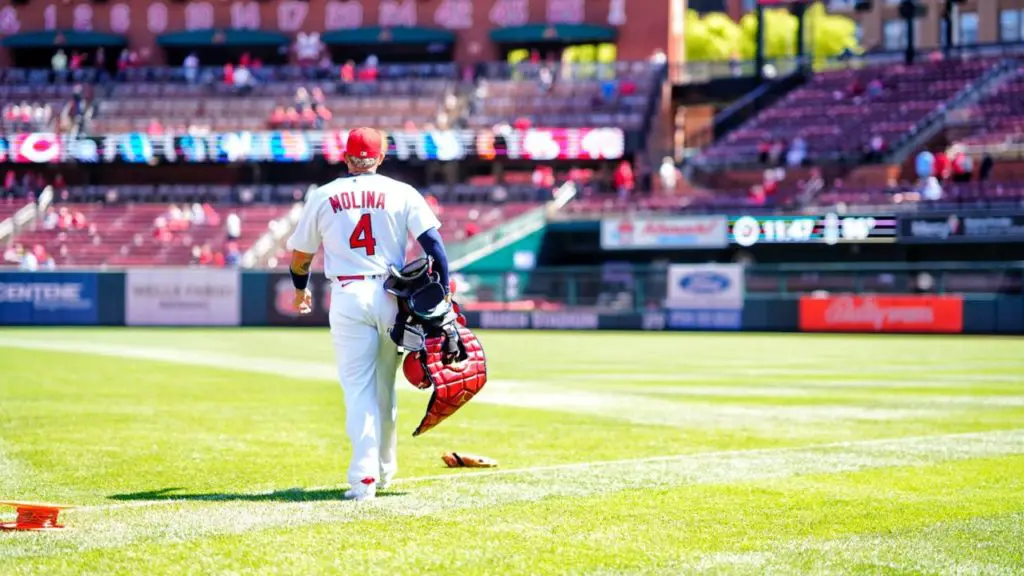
<point x="277" y="117"/>
<point x="624" y="180"/>
<point x="941" y="167"/>
<point x="218" y="259"/>
<point x="348" y="72"/>
<point x="522" y="124"/>
<point x="229" y="74"/>
<point x="245" y="60"/>
<point x="154" y="128"/>
<point x="472" y="229"/>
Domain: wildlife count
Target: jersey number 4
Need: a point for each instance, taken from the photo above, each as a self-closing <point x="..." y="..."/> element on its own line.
<point x="362" y="236"/>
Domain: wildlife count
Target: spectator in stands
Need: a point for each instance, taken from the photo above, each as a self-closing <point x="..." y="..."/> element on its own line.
<point x="609" y="91"/>
<point x="658" y="57"/>
<point x="123" y="63"/>
<point x="756" y="196"/>
<point x="369" y="71"/>
<point x="323" y="67"/>
<point x="59" y="63"/>
<point x="100" y="64"/>
<point x="624" y="180"/>
<point x="154" y="128"/>
<point x="13" y="253"/>
<point x="243" y="81"/>
<point x="941" y="167"/>
<point x="797" y="153"/>
<point x="875" y="88"/>
<point x="962" y="165"/>
<point x="499" y="195"/>
<point x="229" y="74"/>
<point x="28" y="261"/>
<point x="161" y="233"/>
<point x="191" y="68"/>
<point x="931" y="190"/>
<point x="278" y="118"/>
<point x="547" y="79"/>
<point x="233" y="258"/>
<point x="10" y="184"/>
<point x="77" y="62"/>
<point x="302" y="99"/>
<point x="987" y="163"/>
<point x="543" y="179"/>
<point x="875" y="150"/>
<point x="668" y="176"/>
<point x="76" y="113"/>
<point x="347" y="75"/>
<point x="233" y="225"/>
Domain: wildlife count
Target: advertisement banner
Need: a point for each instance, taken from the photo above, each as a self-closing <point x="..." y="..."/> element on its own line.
<point x="281" y="294"/>
<point x="899" y="313"/>
<point x="303" y="146"/>
<point x="55" y="298"/>
<point x="182" y="297"/>
<point x="705" y="297"/>
<point x="963" y="228"/>
<point x="639" y="233"/>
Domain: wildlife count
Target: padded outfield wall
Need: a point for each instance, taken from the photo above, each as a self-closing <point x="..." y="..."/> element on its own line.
<point x="697" y="299"/>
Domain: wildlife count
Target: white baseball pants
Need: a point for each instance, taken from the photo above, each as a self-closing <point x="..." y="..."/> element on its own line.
<point x="362" y="312"/>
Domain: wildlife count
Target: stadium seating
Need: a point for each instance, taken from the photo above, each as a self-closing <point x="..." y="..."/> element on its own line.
<point x="126" y="234"/>
<point x="997" y="118"/>
<point x="610" y="95"/>
<point x="838" y="113"/>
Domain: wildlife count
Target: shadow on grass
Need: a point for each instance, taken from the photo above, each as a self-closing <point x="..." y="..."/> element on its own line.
<point x="289" y="495"/>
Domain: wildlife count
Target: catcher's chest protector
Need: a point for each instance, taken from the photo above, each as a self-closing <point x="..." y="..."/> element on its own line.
<point x="454" y="384"/>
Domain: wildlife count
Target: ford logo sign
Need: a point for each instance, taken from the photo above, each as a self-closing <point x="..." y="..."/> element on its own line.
<point x="704" y="283"/>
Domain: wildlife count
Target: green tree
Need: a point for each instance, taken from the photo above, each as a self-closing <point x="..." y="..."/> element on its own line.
<point x="718" y="37"/>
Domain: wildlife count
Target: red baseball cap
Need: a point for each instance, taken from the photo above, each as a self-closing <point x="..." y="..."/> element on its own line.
<point x="365" y="143"/>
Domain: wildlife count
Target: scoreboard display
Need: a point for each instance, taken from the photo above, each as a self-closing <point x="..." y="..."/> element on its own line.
<point x="827" y="229"/>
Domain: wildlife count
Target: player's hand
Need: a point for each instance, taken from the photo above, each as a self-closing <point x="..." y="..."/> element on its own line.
<point x="303" y="302"/>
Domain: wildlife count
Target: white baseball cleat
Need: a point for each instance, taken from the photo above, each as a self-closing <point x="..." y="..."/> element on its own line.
<point x="365" y="490"/>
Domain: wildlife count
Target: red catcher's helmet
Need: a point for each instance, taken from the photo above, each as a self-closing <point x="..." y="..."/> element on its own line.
<point x="413" y="370"/>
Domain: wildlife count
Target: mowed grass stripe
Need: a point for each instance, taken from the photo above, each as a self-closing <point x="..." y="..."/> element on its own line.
<point x="751" y="523"/>
<point x="752" y="413"/>
<point x="190" y="516"/>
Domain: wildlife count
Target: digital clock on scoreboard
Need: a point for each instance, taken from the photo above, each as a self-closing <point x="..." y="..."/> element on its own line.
<point x="828" y="229"/>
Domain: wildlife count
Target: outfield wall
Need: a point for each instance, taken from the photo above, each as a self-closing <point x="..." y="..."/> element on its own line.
<point x="205" y="297"/>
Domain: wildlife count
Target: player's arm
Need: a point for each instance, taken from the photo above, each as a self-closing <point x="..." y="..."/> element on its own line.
<point x="424" y="226"/>
<point x="301" y="263"/>
<point x="304" y="243"/>
<point x="433" y="246"/>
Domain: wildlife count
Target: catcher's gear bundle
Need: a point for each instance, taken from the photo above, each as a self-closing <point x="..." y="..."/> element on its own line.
<point x="443" y="353"/>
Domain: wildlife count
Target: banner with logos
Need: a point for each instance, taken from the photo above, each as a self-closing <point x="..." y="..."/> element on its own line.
<point x="48" y="298"/>
<point x="280" y="299"/>
<point x="182" y="297"/>
<point x="640" y="233"/>
<point x="302" y="146"/>
<point x="890" y="313"/>
<point x="705" y="297"/>
<point x="964" y="227"/>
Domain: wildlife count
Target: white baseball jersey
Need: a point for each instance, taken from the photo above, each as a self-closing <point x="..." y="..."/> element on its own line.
<point x="363" y="222"/>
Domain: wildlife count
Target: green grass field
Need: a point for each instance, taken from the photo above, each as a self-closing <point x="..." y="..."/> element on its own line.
<point x="223" y="451"/>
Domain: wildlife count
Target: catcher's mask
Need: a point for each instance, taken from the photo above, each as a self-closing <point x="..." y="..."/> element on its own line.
<point x="419" y="289"/>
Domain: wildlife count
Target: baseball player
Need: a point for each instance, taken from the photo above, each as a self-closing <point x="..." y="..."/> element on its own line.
<point x="363" y="221"/>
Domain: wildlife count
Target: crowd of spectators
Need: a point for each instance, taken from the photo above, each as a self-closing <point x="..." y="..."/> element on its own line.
<point x="307" y="110"/>
<point x="175" y="224"/>
<point x="29" y="260"/>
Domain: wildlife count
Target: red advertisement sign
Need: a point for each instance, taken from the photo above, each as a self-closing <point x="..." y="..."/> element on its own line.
<point x="898" y="313"/>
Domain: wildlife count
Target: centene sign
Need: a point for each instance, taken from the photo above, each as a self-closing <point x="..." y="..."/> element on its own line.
<point x="41" y="293"/>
